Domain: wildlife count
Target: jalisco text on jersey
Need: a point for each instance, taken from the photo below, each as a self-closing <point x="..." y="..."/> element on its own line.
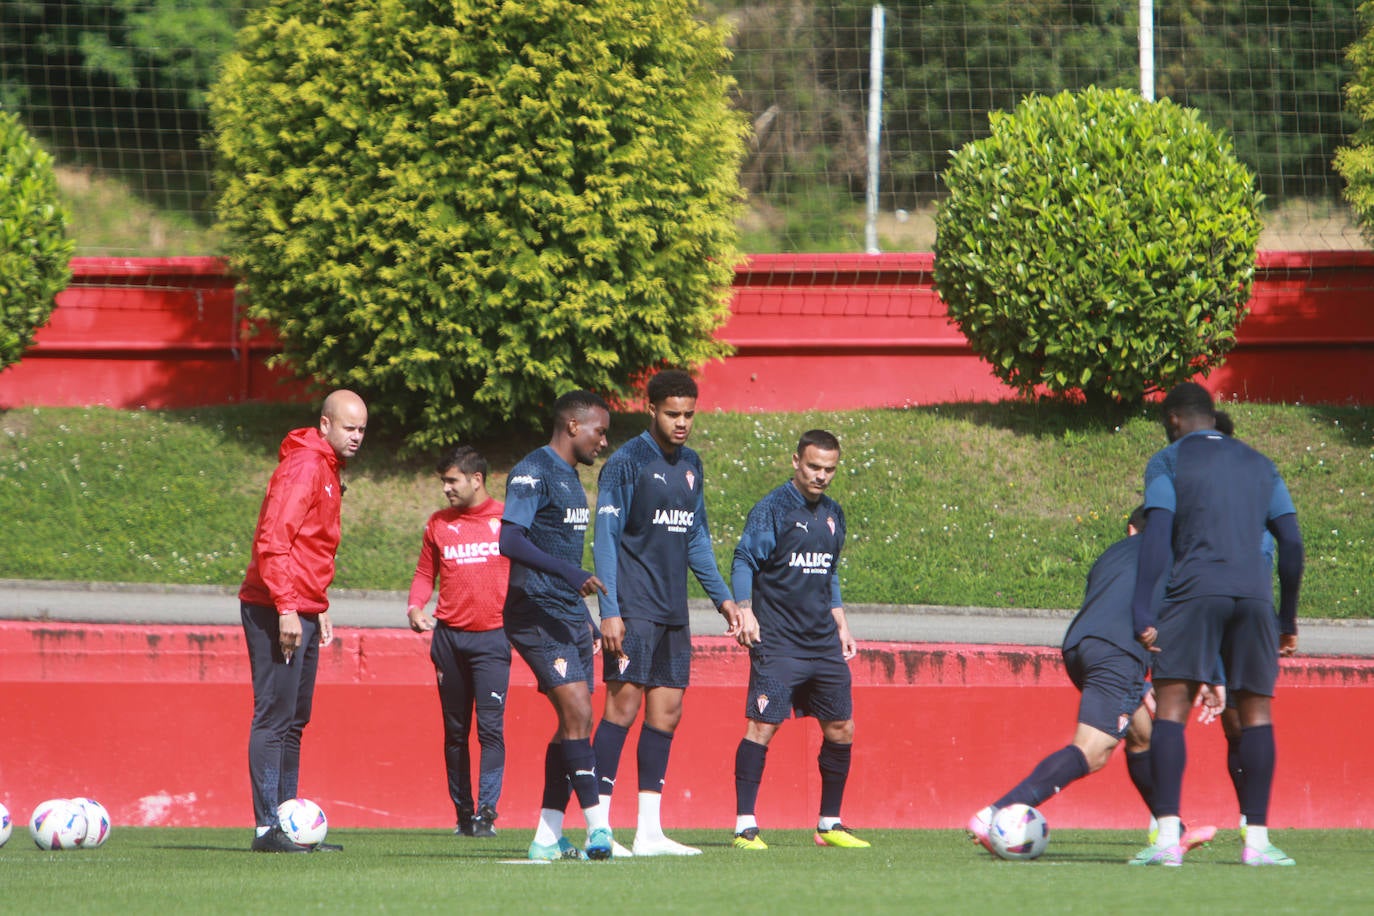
<point x="812" y="562"/>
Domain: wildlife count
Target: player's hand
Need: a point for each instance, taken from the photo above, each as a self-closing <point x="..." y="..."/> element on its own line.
<point x="1147" y="639"/>
<point x="591" y="587"/>
<point x="1210" y="701"/>
<point x="420" y="622"/>
<point x="289" y="634"/>
<point x="326" y="629"/>
<point x="1288" y="645"/>
<point x="733" y="621"/>
<point x="748" y="635"/>
<point x="1149" y="701"/>
<point x="848" y="647"/>
<point x="596" y="637"/>
<point x="612" y="635"/>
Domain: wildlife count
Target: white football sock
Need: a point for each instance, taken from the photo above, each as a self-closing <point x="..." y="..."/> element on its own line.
<point x="1170" y="831"/>
<point x="550" y="827"/>
<point x="1257" y="837"/>
<point x="650" y="824"/>
<point x="745" y="822"/>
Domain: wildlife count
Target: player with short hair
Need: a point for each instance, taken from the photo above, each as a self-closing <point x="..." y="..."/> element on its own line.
<point x="1209" y="499"/>
<point x="471" y="656"/>
<point x="546" y="618"/>
<point x="786" y="581"/>
<point x="1108" y="666"/>
<point x="651" y="528"/>
<point x="284" y="603"/>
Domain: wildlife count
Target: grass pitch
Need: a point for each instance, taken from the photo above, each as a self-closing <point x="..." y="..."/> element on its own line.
<point x="162" y="870"/>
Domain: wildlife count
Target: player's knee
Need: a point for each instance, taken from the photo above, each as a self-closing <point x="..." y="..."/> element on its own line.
<point x="839" y="732"/>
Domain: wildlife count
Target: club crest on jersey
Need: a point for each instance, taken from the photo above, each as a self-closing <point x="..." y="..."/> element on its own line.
<point x="1121" y="721"/>
<point x="691" y="480"/>
<point x="830" y="521"/>
<point x="495" y="525"/>
<point x="761" y="703"/>
<point x="561" y="666"/>
<point x="622" y="663"/>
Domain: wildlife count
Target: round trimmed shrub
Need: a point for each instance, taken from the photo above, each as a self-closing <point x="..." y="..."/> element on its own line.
<point x="466" y="208"/>
<point x="34" y="248"/>
<point x="1097" y="243"/>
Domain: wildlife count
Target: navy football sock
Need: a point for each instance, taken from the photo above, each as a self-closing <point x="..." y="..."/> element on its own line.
<point x="749" y="760"/>
<point x="1170" y="753"/>
<point x="1234" y="767"/>
<point x="652" y="757"/>
<point x="557" y="790"/>
<point x="1140" y="767"/>
<point x="608" y="744"/>
<point x="1257" y="757"/>
<point x="579" y="762"/>
<point x="1049" y="776"/>
<point x="834" y="765"/>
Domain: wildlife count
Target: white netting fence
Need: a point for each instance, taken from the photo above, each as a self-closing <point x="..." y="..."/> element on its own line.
<point x="117" y="91"/>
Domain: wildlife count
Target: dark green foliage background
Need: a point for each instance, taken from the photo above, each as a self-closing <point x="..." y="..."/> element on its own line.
<point x="465" y="209"/>
<point x="1355" y="162"/>
<point x="1098" y="243"/>
<point x="34" y="248"/>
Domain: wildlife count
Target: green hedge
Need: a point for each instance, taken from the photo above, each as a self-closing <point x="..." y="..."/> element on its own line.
<point x="1098" y="243"/>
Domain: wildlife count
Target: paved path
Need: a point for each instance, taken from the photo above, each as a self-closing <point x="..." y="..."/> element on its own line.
<point x="213" y="605"/>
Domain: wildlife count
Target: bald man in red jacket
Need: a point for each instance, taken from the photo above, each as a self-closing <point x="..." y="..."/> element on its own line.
<point x="284" y="605"/>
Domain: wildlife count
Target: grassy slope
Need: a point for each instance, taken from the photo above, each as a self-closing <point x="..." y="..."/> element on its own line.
<point x="996" y="505"/>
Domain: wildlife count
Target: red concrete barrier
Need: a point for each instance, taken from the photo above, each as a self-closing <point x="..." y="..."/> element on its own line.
<point x="153" y="722"/>
<point x="811" y="332"/>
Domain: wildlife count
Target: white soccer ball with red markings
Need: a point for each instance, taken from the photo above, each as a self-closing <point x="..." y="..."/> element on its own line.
<point x="97" y="822"/>
<point x="58" y="823"/>
<point x="1018" y="832"/>
<point x="6" y="828"/>
<point x="303" y="821"/>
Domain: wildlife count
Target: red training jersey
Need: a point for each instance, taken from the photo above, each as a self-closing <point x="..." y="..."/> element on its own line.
<point x="298" y="528"/>
<point x="462" y="548"/>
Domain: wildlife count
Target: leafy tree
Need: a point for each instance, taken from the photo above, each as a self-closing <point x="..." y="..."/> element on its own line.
<point x="465" y="208"/>
<point x="1355" y="162"/>
<point x="34" y="248"/>
<point x="1098" y="243"/>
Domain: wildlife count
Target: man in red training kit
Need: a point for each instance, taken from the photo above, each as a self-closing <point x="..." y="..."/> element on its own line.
<point x="469" y="648"/>
<point x="284" y="607"/>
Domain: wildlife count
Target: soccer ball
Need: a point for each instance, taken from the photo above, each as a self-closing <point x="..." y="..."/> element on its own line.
<point x="6" y="828"/>
<point x="97" y="822"/>
<point x="58" y="823"/>
<point x="1018" y="832"/>
<point x="303" y="821"/>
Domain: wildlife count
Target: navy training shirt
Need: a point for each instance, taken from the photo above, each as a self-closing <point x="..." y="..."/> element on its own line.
<point x="1222" y="494"/>
<point x="544" y="496"/>
<point x="1106" y="610"/>
<point x="650" y="529"/>
<point x="787" y="564"/>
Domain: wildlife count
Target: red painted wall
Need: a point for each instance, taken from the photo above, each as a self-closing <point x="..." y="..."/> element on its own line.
<point x="811" y="332"/>
<point x="153" y="722"/>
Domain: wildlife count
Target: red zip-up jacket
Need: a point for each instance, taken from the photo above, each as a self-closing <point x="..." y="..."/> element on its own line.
<point x="298" y="528"/>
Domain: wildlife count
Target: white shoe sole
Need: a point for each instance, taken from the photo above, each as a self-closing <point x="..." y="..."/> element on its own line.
<point x="664" y="847"/>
